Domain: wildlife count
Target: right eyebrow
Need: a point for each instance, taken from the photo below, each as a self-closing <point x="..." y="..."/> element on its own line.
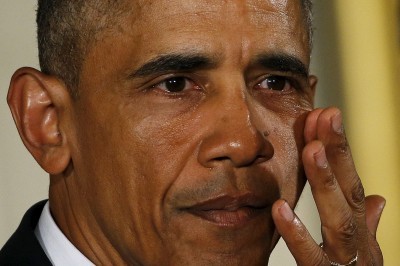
<point x="282" y="62"/>
<point x="185" y="62"/>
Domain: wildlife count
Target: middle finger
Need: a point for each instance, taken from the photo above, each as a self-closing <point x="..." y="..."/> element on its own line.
<point x="339" y="229"/>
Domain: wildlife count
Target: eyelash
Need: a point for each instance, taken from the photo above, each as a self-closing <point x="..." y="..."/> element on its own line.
<point x="177" y="80"/>
<point x="290" y="84"/>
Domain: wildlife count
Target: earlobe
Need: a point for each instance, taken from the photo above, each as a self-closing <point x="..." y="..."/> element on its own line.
<point x="312" y="81"/>
<point x="35" y="107"/>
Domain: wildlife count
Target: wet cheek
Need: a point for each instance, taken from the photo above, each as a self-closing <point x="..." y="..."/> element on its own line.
<point x="286" y="161"/>
<point x="290" y="106"/>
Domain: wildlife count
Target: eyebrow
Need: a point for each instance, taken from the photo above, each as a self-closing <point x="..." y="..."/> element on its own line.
<point x="283" y="63"/>
<point x="174" y="63"/>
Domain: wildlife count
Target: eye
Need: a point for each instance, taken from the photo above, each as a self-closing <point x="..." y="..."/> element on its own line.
<point x="175" y="84"/>
<point x="275" y="83"/>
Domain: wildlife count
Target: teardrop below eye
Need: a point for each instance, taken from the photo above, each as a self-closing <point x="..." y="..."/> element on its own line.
<point x="276" y="83"/>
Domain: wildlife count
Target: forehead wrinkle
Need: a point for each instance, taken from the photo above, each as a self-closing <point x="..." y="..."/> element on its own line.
<point x="269" y="13"/>
<point x="280" y="11"/>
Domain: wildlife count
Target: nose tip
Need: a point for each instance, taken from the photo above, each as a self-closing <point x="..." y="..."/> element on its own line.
<point x="237" y="131"/>
<point x="240" y="147"/>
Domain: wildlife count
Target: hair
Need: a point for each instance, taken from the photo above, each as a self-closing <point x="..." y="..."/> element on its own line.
<point x="308" y="19"/>
<point x="67" y="29"/>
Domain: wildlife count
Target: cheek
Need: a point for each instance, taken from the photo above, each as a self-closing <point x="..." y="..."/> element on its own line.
<point x="287" y="138"/>
<point x="136" y="155"/>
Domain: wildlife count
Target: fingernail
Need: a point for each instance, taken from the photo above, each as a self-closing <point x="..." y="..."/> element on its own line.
<point x="320" y="158"/>
<point x="286" y="212"/>
<point x="337" y="124"/>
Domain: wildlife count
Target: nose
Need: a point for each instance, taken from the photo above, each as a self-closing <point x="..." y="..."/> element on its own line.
<point x="234" y="136"/>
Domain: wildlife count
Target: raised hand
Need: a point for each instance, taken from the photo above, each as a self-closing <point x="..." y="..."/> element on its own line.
<point x="349" y="220"/>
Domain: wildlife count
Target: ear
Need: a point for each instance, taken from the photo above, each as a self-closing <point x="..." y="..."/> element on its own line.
<point x="312" y="82"/>
<point x="36" y="101"/>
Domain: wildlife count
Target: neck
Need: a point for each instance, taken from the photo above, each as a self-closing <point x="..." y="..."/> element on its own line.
<point x="73" y="215"/>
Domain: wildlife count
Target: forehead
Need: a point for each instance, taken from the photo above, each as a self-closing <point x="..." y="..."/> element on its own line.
<point x="230" y="28"/>
<point x="245" y="15"/>
<point x="167" y="19"/>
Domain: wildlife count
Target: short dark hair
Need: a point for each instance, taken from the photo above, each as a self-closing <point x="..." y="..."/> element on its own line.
<point x="308" y="19"/>
<point x="66" y="30"/>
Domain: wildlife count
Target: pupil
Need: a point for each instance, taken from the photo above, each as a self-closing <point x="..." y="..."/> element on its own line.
<point x="276" y="83"/>
<point x="175" y="84"/>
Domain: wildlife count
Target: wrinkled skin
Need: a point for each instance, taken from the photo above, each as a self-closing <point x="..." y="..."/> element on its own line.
<point x="144" y="175"/>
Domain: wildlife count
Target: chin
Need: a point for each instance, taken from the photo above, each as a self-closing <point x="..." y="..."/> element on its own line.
<point x="246" y="257"/>
<point x="198" y="241"/>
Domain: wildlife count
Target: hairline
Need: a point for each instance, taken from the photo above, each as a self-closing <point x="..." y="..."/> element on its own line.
<point x="65" y="58"/>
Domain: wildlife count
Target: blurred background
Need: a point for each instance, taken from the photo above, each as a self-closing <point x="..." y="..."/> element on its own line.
<point x="356" y="57"/>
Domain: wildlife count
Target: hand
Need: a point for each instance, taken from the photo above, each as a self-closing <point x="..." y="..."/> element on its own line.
<point x="349" y="220"/>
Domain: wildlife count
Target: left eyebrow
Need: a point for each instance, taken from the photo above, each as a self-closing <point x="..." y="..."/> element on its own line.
<point x="184" y="62"/>
<point x="283" y="63"/>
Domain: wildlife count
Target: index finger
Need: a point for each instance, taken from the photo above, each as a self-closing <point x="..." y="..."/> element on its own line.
<point x="330" y="131"/>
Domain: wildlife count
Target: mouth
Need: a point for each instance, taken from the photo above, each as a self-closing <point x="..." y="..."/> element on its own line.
<point x="230" y="211"/>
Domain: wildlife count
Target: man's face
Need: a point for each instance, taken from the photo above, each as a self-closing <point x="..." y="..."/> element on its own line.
<point x="188" y="128"/>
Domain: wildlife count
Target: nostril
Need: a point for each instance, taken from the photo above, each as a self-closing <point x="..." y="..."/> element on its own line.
<point x="241" y="148"/>
<point x="260" y="159"/>
<point x="222" y="158"/>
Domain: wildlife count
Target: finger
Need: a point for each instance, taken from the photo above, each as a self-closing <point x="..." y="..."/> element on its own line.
<point x="330" y="131"/>
<point x="374" y="206"/>
<point x="339" y="229"/>
<point x="310" y="129"/>
<point x="300" y="243"/>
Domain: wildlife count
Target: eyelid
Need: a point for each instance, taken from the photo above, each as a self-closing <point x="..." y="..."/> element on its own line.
<point x="298" y="82"/>
<point x="294" y="86"/>
<point x="163" y="79"/>
<point x="150" y="83"/>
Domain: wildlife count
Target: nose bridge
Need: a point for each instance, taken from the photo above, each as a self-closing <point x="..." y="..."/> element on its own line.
<point x="235" y="136"/>
<point x="235" y="111"/>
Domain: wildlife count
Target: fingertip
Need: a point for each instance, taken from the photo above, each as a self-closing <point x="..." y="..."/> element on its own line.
<point x="276" y="208"/>
<point x="374" y="205"/>
<point x="337" y="122"/>
<point x="375" y="201"/>
<point x="311" y="151"/>
<point x="310" y="127"/>
<point x="296" y="236"/>
<point x="286" y="212"/>
<point x="330" y="121"/>
<point x="282" y="214"/>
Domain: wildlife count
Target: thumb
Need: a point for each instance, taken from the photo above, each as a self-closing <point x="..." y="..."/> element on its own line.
<point x="374" y="205"/>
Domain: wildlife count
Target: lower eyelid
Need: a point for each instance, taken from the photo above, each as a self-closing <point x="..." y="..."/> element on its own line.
<point x="189" y="84"/>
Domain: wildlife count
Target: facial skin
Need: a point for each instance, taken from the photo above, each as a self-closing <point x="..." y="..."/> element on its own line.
<point x="187" y="143"/>
<point x="156" y="177"/>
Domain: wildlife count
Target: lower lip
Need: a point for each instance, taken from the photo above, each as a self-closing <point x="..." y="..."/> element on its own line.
<point x="226" y="218"/>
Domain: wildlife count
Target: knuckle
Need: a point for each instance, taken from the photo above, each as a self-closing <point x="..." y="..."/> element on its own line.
<point x="347" y="229"/>
<point x="330" y="182"/>
<point x="343" y="232"/>
<point x="342" y="146"/>
<point x="357" y="194"/>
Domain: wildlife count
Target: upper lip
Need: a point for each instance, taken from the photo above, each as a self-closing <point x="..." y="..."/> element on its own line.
<point x="230" y="203"/>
